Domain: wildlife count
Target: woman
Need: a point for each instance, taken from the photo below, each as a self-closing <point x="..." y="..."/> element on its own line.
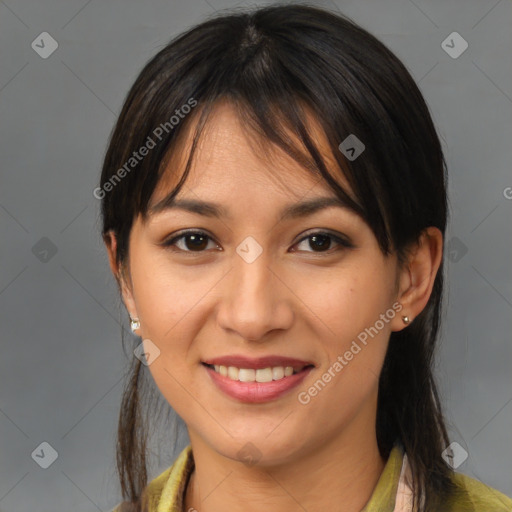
<point x="274" y="209"/>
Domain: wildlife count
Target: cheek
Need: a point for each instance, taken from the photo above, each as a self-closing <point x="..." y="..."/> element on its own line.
<point x="171" y="305"/>
<point x="347" y="309"/>
<point x="167" y="297"/>
<point x="346" y="300"/>
<point x="347" y="381"/>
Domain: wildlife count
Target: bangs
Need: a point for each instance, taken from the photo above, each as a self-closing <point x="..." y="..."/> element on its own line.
<point x="267" y="129"/>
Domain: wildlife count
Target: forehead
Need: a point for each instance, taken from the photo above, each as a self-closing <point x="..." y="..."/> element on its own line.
<point x="231" y="157"/>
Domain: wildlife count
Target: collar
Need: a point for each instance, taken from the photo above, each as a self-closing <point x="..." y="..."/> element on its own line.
<point x="390" y="493"/>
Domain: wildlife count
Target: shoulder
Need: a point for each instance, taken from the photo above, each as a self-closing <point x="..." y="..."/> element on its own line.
<point x="475" y="496"/>
<point x="167" y="489"/>
<point x="154" y="490"/>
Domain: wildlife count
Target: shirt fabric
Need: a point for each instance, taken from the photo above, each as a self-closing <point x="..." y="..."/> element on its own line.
<point x="391" y="494"/>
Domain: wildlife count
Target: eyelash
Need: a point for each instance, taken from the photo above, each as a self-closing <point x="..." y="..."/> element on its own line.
<point x="171" y="243"/>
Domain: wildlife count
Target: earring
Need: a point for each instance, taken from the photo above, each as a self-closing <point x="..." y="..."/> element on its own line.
<point x="134" y="324"/>
<point x="406" y="319"/>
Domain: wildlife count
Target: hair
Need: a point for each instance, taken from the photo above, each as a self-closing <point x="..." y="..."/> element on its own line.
<point x="274" y="65"/>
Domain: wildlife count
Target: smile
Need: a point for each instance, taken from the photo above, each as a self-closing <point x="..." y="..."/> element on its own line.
<point x="256" y="385"/>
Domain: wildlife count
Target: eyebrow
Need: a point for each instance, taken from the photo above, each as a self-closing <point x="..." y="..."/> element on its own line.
<point x="210" y="209"/>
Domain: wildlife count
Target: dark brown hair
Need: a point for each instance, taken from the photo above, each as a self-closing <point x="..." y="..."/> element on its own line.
<point x="272" y="64"/>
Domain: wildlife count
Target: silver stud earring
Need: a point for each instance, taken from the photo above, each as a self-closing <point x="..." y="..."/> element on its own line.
<point x="134" y="324"/>
<point x="406" y="319"/>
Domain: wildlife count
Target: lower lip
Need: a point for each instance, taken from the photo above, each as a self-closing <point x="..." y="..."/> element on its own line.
<point x="257" y="392"/>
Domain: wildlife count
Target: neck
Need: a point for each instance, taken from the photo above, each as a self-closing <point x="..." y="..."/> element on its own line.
<point x="344" y="471"/>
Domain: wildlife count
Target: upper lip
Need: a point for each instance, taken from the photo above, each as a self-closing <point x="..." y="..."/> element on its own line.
<point x="258" y="362"/>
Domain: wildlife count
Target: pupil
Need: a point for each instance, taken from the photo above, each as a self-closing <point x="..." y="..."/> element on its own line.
<point x="198" y="242"/>
<point x="322" y="241"/>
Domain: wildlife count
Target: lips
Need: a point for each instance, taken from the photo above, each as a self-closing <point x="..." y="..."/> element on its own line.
<point x="256" y="380"/>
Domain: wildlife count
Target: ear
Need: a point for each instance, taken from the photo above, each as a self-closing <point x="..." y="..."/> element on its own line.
<point x="121" y="273"/>
<point x="417" y="276"/>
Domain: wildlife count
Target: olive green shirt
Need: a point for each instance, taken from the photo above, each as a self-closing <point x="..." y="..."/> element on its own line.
<point x="167" y="491"/>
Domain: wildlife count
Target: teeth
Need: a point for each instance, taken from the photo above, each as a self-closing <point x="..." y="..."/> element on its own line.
<point x="246" y="375"/>
<point x="251" y="375"/>
<point x="232" y="372"/>
<point x="221" y="369"/>
<point x="264" y="375"/>
<point x="277" y="373"/>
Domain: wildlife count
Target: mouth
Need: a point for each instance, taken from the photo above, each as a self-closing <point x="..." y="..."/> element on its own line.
<point x="257" y="381"/>
<point x="262" y="375"/>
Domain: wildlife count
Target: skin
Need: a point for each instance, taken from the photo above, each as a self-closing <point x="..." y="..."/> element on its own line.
<point x="292" y="300"/>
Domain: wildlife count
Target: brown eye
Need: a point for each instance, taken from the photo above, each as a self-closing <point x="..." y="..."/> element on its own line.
<point x="321" y="242"/>
<point x="189" y="241"/>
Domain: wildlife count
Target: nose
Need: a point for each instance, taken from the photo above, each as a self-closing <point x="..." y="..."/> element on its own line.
<point x="255" y="300"/>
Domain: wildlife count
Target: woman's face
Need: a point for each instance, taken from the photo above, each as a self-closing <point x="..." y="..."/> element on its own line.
<point x="256" y="285"/>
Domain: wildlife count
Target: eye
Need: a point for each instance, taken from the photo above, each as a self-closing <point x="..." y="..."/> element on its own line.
<point x="189" y="241"/>
<point x="320" y="241"/>
<point x="197" y="241"/>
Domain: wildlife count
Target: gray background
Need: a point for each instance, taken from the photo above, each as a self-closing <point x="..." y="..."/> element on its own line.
<point x="62" y="362"/>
